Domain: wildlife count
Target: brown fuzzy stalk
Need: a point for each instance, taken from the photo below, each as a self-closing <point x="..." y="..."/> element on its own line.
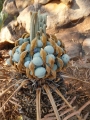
<point x="27" y="35"/>
<point x="53" y="43"/>
<point x="53" y="72"/>
<point x="23" y="35"/>
<point x="48" y="36"/>
<point x="15" y="65"/>
<point x="33" y="45"/>
<point x="62" y="44"/>
<point x="21" y="61"/>
<point x="48" y="71"/>
<point x="61" y="64"/>
<point x="44" y="39"/>
<point x="32" y="68"/>
<point x="23" y="46"/>
<point x="19" y="66"/>
<point x="22" y="56"/>
<point x="51" y="62"/>
<point x="53" y="37"/>
<point x="14" y="49"/>
<point x="43" y="55"/>
<point x="38" y="35"/>
<point x="16" y="42"/>
<point x="28" y="73"/>
<point x="58" y="50"/>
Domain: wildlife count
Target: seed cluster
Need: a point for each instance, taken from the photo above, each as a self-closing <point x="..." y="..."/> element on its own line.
<point x="39" y="54"/>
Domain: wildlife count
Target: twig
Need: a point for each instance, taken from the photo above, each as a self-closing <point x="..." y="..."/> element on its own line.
<point x="66" y="111"/>
<point x="38" y="106"/>
<point x="65" y="76"/>
<point x="3" y="114"/>
<point x="77" y="112"/>
<point x="14" y="103"/>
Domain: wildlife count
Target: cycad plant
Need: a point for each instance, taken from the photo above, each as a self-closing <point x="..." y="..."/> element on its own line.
<point x="41" y="57"/>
